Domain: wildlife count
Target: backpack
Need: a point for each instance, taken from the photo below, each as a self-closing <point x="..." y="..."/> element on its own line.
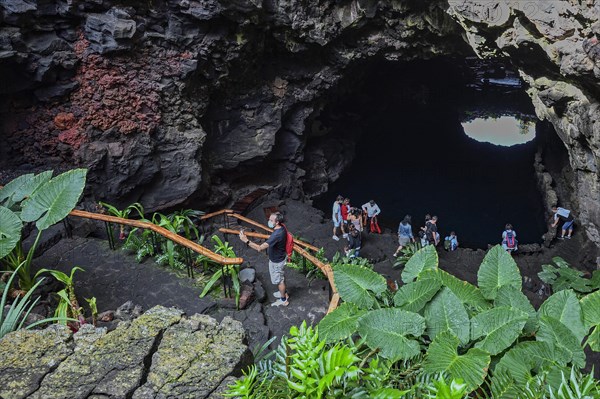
<point x="289" y="243"/>
<point x="510" y="239"/>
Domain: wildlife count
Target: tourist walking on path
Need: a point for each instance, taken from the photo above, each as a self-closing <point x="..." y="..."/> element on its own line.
<point x="431" y="231"/>
<point x="509" y="238"/>
<point x="336" y="216"/>
<point x="566" y="216"/>
<point x="405" y="234"/>
<point x="372" y="210"/>
<point x="275" y="246"/>
<point x="451" y="242"/>
<point x="345" y="209"/>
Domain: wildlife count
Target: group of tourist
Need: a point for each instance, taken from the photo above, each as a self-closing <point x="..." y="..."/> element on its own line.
<point x="352" y="221"/>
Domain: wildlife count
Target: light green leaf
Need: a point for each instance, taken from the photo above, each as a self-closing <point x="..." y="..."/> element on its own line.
<point x="446" y="312"/>
<point x="465" y="291"/>
<point x="341" y="323"/>
<point x="514" y="297"/>
<point x="10" y="231"/>
<point x="53" y="201"/>
<point x="564" y="343"/>
<point x="499" y="327"/>
<point x="414" y="296"/>
<point x="11" y="187"/>
<point x="564" y="306"/>
<point x="590" y="307"/>
<point x="526" y="356"/>
<point x="442" y="356"/>
<point x="390" y="330"/>
<point x="358" y="285"/>
<point x="497" y="270"/>
<point x="30" y="185"/>
<point x="425" y="258"/>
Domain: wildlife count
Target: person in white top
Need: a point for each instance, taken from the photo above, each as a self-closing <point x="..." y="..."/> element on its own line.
<point x="372" y="210"/>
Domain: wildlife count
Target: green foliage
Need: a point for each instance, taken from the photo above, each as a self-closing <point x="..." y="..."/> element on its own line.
<point x="474" y="329"/>
<point x="359" y="285"/>
<point x="14" y="318"/>
<point x="68" y="306"/>
<point x="424" y="259"/>
<point x="563" y="276"/>
<point x="34" y="198"/>
<point x="442" y="390"/>
<point x="406" y="253"/>
<point x="93" y="308"/>
<point x="497" y="270"/>
<point x="304" y="366"/>
<point x="224" y="271"/>
<point x="576" y="386"/>
<point x="447" y="313"/>
<point x="339" y="259"/>
<point x="442" y="356"/>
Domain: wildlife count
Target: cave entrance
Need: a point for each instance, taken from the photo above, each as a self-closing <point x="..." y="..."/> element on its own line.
<point x="401" y="133"/>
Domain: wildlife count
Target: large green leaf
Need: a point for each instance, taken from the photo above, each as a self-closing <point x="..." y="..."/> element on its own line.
<point x="30" y="185"/>
<point x="442" y="356"/>
<point x="10" y="231"/>
<point x="341" y="323"/>
<point x="526" y="356"/>
<point x="53" y="201"/>
<point x="446" y="312"/>
<point x="565" y="344"/>
<point x="390" y="330"/>
<point x="465" y="291"/>
<point x="497" y="270"/>
<point x="514" y="297"/>
<point x="499" y="327"/>
<point x="414" y="296"/>
<point x="564" y="306"/>
<point x="590" y="307"/>
<point x="358" y="285"/>
<point x="11" y="187"/>
<point x="425" y="258"/>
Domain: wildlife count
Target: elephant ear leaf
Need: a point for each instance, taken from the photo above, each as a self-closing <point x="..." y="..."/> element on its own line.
<point x="359" y="285"/>
<point x="590" y="306"/>
<point x="53" y="201"/>
<point x="30" y="185"/>
<point x="424" y="259"/>
<point x="565" y="307"/>
<point x="498" y="328"/>
<point x="442" y="356"/>
<point x="497" y="270"/>
<point x="7" y="192"/>
<point x="10" y="231"/>
<point x="341" y="323"/>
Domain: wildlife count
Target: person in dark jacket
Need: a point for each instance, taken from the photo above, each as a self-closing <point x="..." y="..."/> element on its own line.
<point x="354" y="242"/>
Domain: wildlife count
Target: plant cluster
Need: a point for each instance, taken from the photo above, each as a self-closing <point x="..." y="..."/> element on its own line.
<point x="43" y="200"/>
<point x="303" y="265"/>
<point x="441" y="337"/>
<point x="228" y="272"/>
<point x="563" y="276"/>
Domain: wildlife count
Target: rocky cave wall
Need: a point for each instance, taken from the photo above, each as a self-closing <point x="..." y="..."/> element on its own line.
<point x="174" y="101"/>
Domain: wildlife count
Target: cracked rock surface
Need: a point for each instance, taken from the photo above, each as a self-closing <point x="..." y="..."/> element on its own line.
<point x="161" y="354"/>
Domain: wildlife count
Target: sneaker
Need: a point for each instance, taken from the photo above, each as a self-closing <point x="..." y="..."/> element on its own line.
<point x="345" y="235"/>
<point x="336" y="238"/>
<point x="281" y="302"/>
<point x="395" y="255"/>
<point x="568" y="237"/>
<point x="561" y="238"/>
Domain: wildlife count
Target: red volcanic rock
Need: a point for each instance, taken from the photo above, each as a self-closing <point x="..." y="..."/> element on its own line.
<point x="64" y="121"/>
<point x="71" y="137"/>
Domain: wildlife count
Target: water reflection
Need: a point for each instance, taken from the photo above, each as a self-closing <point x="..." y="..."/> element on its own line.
<point x="505" y="130"/>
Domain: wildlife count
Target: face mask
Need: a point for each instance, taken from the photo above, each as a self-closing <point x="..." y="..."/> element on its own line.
<point x="271" y="224"/>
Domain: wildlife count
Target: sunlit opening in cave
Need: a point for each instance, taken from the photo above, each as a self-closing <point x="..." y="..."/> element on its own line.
<point x="505" y="130"/>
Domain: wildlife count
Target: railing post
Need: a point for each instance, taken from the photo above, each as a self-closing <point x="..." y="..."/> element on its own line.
<point x="223" y="279"/>
<point x="190" y="266"/>
<point x="154" y="242"/>
<point x="68" y="230"/>
<point x="109" y="233"/>
<point x="303" y="265"/>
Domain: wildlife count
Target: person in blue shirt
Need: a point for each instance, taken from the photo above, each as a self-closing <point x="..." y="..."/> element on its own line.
<point x="405" y="234"/>
<point x="451" y="242"/>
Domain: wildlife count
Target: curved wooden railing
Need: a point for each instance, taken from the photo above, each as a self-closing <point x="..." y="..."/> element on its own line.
<point x="299" y="246"/>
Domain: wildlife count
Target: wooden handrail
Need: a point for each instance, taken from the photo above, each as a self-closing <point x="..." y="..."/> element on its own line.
<point x="325" y="268"/>
<point x="270" y="230"/>
<point x="163" y="232"/>
<point x="213" y="214"/>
